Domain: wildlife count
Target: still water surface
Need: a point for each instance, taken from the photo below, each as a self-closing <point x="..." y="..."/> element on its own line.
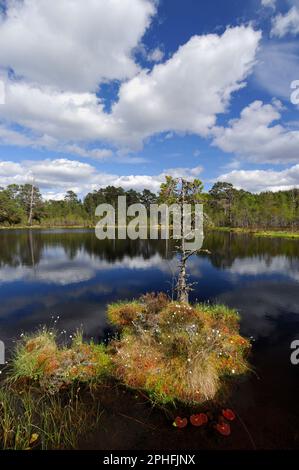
<point x="65" y="278"/>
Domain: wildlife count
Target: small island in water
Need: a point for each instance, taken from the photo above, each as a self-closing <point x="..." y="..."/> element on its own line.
<point x="169" y="351"/>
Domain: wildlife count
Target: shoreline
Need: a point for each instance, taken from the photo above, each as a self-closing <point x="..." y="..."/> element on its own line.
<point x="48" y="227"/>
<point x="259" y="232"/>
<point x="255" y="232"/>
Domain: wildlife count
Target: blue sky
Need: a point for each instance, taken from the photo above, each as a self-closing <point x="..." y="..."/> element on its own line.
<point x="125" y="91"/>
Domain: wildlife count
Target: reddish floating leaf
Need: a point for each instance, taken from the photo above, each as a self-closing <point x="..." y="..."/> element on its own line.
<point x="229" y="414"/>
<point x="223" y="428"/>
<point x="180" y="422"/>
<point x="199" y="419"/>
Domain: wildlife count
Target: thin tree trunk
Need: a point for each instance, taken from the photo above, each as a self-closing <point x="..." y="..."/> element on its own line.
<point x="182" y="288"/>
<point x="31" y="206"/>
<point x="182" y="281"/>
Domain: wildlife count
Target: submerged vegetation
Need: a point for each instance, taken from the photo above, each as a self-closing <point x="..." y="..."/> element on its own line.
<point x="175" y="351"/>
<point x="33" y="419"/>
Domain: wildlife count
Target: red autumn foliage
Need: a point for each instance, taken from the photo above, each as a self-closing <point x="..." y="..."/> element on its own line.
<point x="180" y="422"/>
<point x="223" y="428"/>
<point x="229" y="414"/>
<point x="199" y="419"/>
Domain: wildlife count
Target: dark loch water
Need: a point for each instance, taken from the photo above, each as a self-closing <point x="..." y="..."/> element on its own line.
<point x="69" y="274"/>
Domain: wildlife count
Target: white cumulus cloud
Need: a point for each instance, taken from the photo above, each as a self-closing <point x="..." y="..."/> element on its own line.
<point x="55" y="177"/>
<point x="258" y="137"/>
<point x="286" y="24"/>
<point x="73" y="45"/>
<point x="185" y="94"/>
<point x="263" y="180"/>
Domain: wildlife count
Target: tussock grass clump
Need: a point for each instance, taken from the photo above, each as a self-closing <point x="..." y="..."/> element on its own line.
<point x="43" y="403"/>
<point x="123" y="314"/>
<point x="178" y="352"/>
<point x="39" y="359"/>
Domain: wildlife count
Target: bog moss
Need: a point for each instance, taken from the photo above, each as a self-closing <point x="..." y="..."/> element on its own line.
<point x="39" y="359"/>
<point x="178" y="352"/>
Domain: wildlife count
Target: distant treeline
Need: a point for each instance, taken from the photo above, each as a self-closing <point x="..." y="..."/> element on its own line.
<point x="224" y="206"/>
